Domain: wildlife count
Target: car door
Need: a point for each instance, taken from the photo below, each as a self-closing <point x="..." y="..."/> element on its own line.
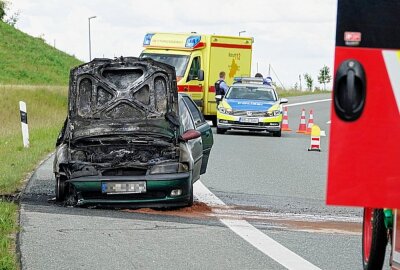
<point x="204" y="128"/>
<point x="195" y="145"/>
<point x="365" y="120"/>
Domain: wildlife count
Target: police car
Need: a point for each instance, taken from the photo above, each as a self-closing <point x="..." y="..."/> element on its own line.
<point x="250" y="104"/>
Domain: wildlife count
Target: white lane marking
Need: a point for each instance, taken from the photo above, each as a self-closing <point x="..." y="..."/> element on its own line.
<point x="328" y="122"/>
<point x="392" y="61"/>
<point x="255" y="237"/>
<point x="307" y="102"/>
<point x="322" y="133"/>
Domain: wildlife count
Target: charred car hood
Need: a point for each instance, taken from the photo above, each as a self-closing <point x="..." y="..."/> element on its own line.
<point x="124" y="95"/>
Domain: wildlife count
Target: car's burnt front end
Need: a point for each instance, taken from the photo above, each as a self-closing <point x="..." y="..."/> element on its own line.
<point x="120" y="143"/>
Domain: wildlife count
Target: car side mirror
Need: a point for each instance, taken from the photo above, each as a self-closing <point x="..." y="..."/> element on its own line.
<point x="284" y="100"/>
<point x="200" y="75"/>
<point x="190" y="134"/>
<point x="218" y="98"/>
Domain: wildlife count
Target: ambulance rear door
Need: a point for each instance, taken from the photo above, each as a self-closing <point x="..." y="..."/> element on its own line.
<point x="231" y="55"/>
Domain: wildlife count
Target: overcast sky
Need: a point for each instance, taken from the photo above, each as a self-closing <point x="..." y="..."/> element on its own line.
<point x="293" y="36"/>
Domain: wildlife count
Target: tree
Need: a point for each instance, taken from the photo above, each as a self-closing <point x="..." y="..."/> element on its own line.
<point x="3" y="7"/>
<point x="309" y="81"/>
<point x="324" y="76"/>
<point x="4" y="16"/>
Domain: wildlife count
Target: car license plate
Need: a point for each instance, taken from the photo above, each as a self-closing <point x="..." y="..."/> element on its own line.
<point x="123" y="187"/>
<point x="249" y="120"/>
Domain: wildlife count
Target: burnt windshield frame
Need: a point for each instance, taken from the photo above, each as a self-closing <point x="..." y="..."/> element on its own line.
<point x="180" y="72"/>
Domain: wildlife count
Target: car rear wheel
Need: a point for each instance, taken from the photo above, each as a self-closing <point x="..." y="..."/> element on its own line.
<point x="221" y="130"/>
<point x="374" y="239"/>
<point x="60" y="189"/>
<point x="277" y="133"/>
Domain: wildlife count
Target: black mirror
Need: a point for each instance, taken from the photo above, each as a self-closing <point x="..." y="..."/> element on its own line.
<point x="218" y="98"/>
<point x="200" y="75"/>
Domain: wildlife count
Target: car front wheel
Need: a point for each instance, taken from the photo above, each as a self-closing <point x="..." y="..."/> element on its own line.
<point x="277" y="133"/>
<point x="221" y="130"/>
<point x="60" y="189"/>
<point x="191" y="198"/>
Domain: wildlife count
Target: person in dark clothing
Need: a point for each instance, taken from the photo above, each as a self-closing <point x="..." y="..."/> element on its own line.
<point x="220" y="86"/>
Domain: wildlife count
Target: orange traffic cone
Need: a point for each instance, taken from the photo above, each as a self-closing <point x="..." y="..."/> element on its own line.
<point x="315" y="144"/>
<point x="285" y="121"/>
<point x="302" y="125"/>
<point x="310" y="123"/>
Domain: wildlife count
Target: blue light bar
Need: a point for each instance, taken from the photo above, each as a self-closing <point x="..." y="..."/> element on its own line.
<point x="192" y="41"/>
<point x="147" y="39"/>
<point x="268" y="80"/>
<point x="237" y="79"/>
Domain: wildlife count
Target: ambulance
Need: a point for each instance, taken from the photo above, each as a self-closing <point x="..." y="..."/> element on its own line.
<point x="198" y="60"/>
<point x="364" y="151"/>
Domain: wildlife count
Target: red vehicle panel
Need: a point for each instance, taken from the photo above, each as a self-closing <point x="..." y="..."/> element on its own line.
<point x="364" y="154"/>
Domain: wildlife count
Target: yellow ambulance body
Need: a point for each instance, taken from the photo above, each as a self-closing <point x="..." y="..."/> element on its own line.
<point x="198" y="60"/>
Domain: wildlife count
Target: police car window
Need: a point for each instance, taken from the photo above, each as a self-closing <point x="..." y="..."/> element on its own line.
<point x="194" y="69"/>
<point x="248" y="92"/>
<point x="186" y="119"/>
<point x="197" y="115"/>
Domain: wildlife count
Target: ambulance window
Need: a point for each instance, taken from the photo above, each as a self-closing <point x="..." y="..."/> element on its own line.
<point x="194" y="69"/>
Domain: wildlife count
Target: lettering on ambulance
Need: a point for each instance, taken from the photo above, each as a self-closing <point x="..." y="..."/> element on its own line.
<point x="233" y="67"/>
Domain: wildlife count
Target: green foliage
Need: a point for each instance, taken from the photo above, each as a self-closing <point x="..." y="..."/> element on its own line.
<point x="29" y="60"/>
<point x="324" y="76"/>
<point x="309" y="81"/>
<point x="3" y="6"/>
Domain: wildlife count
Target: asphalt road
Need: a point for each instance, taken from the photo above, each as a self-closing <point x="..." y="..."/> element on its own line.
<point x="274" y="185"/>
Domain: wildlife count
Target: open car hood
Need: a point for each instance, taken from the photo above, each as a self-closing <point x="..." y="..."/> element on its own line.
<point x="122" y="95"/>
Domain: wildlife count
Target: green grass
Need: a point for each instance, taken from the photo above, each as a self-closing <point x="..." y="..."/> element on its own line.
<point x="294" y="93"/>
<point x="28" y="60"/>
<point x="8" y="227"/>
<point x="47" y="109"/>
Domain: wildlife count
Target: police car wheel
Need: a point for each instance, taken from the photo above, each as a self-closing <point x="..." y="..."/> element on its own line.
<point x="221" y="131"/>
<point x="277" y="133"/>
<point x="374" y="239"/>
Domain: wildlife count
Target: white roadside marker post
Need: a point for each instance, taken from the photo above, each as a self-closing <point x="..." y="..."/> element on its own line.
<point x="24" y="123"/>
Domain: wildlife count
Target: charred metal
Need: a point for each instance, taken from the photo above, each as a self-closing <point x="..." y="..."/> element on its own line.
<point x="122" y="119"/>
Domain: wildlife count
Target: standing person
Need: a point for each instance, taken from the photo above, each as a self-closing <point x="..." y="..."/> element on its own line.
<point x="220" y="86"/>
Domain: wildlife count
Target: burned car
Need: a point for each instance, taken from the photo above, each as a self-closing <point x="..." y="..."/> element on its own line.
<point x="129" y="138"/>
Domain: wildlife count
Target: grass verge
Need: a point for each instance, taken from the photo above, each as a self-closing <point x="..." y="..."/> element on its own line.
<point x="294" y="93"/>
<point x="8" y="220"/>
<point x="47" y="108"/>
